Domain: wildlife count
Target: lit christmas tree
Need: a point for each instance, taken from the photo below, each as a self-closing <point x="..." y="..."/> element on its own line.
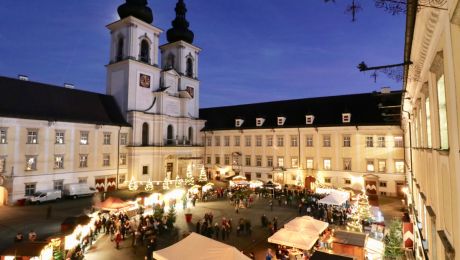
<point x="361" y="213"/>
<point x="149" y="186"/>
<point x="166" y="183"/>
<point x="189" y="180"/>
<point x="179" y="182"/>
<point x="299" y="179"/>
<point x="132" y="186"/>
<point x="202" y="177"/>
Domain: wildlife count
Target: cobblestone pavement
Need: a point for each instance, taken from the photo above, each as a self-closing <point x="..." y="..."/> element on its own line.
<point x="33" y="217"/>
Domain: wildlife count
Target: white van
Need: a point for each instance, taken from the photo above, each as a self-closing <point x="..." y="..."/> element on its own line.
<point x="42" y="196"/>
<point x="75" y="190"/>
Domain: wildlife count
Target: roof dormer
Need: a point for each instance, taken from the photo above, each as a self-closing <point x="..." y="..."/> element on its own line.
<point x="309" y="119"/>
<point x="280" y="120"/>
<point x="260" y="121"/>
<point x="346" y="117"/>
<point x="239" y="122"/>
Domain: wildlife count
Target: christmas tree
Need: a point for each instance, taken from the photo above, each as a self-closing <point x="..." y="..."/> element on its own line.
<point x="202" y="177"/>
<point x="171" y="217"/>
<point x="189" y="180"/>
<point x="298" y="179"/>
<point x="166" y="183"/>
<point x="132" y="186"/>
<point x="149" y="186"/>
<point x="394" y="240"/>
<point x="179" y="182"/>
<point x="361" y="213"/>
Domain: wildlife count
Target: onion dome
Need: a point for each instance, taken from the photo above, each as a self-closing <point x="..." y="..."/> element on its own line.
<point x="136" y="8"/>
<point x="179" y="30"/>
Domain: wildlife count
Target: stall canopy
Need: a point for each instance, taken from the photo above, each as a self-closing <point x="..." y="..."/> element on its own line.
<point x="112" y="203"/>
<point x="350" y="238"/>
<point x="198" y="247"/>
<point x="334" y="198"/>
<point x="374" y="249"/>
<point x="295" y="239"/>
<point x="25" y="249"/>
<point x="307" y="225"/>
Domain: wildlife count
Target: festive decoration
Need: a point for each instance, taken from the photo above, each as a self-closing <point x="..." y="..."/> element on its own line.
<point x="394" y="240"/>
<point x="149" y="186"/>
<point x="166" y="183"/>
<point x="133" y="186"/>
<point x="202" y="177"/>
<point x="171" y="217"/>
<point x="189" y="180"/>
<point x="179" y="182"/>
<point x="361" y="213"/>
<point x="299" y="178"/>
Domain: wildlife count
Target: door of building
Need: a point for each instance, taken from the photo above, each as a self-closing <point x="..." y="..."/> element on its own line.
<point x="100" y="184"/>
<point x="111" y="183"/>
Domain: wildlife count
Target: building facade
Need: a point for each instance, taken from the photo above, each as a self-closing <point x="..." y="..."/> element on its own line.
<point x="344" y="141"/>
<point x="145" y="128"/>
<point x="431" y="123"/>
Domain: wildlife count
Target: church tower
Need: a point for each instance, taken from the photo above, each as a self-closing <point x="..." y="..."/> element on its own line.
<point x="159" y="100"/>
<point x="180" y="56"/>
<point x="133" y="71"/>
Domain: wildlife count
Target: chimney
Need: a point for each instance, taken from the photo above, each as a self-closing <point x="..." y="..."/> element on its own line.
<point x="23" y="77"/>
<point x="68" y="85"/>
<point x="385" y="90"/>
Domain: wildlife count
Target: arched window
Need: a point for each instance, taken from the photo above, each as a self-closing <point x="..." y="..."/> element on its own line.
<point x="190" y="135"/>
<point x="119" y="56"/>
<point x="145" y="134"/>
<point x="170" y="134"/>
<point x="189" y="71"/>
<point x="145" y="51"/>
<point x="170" y="61"/>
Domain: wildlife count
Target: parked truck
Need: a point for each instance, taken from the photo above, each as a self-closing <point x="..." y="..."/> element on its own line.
<point x="75" y="190"/>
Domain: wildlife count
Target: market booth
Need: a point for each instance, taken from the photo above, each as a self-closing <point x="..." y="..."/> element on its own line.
<point x="307" y="225"/>
<point x="28" y="251"/>
<point x="197" y="247"/>
<point x="349" y="243"/>
<point x="295" y="240"/>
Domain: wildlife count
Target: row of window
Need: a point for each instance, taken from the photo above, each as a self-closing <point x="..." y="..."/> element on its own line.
<point x="377" y="165"/>
<point x="294" y="141"/>
<point x="346" y="118"/>
<point x="32" y="137"/>
<point x="31" y="161"/>
<point x="423" y="132"/>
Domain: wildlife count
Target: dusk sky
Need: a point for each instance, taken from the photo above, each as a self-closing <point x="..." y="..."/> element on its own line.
<point x="253" y="50"/>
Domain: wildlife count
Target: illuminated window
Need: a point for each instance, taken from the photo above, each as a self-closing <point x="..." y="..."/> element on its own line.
<point x="208" y="141"/>
<point x="59" y="162"/>
<point x="399" y="166"/>
<point x="32" y="136"/>
<point x="347" y="164"/>
<point x="2" y="164"/>
<point x="370" y="165"/>
<point x="381" y="141"/>
<point x="399" y="142"/>
<point x="326" y="164"/>
<point x="122" y="159"/>
<point x="369" y="141"/>
<point x="3" y="136"/>
<point x="309" y="163"/>
<point x="123" y="139"/>
<point x="84" y="138"/>
<point x="217" y="159"/>
<point x="280" y="161"/>
<point x="30" y="189"/>
<point x="280" y="141"/>
<point x="59" y="137"/>
<point x="382" y="165"/>
<point x="428" y="122"/>
<point x="31" y="163"/>
<point x="294" y="162"/>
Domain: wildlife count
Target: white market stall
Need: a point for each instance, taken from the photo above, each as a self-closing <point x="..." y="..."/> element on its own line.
<point x="294" y="239"/>
<point x="335" y="198"/>
<point x="307" y="225"/>
<point x="198" y="247"/>
<point x="374" y="249"/>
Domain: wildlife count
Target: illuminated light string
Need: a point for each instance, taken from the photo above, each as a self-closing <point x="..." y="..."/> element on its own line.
<point x="149" y="185"/>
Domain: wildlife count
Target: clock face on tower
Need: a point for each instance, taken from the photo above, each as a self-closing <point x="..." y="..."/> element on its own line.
<point x="144" y="81"/>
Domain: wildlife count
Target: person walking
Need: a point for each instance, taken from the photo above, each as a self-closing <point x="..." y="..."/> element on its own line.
<point x="216" y="231"/>
<point x="117" y="239"/>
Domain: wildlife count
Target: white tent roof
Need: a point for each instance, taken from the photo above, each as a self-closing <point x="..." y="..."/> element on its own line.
<point x="306" y="224"/>
<point x="333" y="199"/>
<point x="198" y="247"/>
<point x="293" y="239"/>
<point x="374" y="249"/>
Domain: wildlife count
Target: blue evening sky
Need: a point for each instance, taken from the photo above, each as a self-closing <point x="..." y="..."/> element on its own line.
<point x="253" y="50"/>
